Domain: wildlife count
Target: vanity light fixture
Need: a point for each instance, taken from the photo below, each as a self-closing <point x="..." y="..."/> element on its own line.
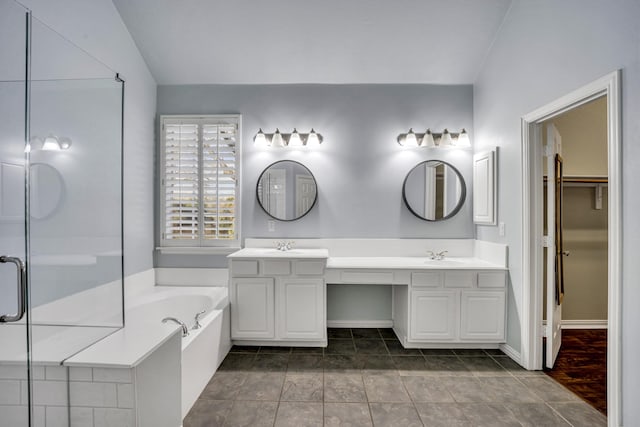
<point x="432" y="139"/>
<point x="50" y="143"/>
<point x="260" y="140"/>
<point x="463" y="140"/>
<point x="294" y="139"/>
<point x="410" y="139"/>
<point x="278" y="139"/>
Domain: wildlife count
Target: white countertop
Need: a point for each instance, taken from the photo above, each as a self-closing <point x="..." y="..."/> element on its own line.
<point x="412" y="263"/>
<point x="275" y="253"/>
<point x="50" y="345"/>
<point x="125" y="348"/>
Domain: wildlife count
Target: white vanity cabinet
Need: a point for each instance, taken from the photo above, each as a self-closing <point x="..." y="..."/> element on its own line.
<point x="454" y="306"/>
<point x="278" y="298"/>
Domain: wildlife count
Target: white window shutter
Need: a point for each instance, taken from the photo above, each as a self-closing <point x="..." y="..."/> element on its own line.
<point x="200" y="173"/>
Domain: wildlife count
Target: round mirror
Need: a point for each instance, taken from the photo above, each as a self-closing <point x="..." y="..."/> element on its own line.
<point x="434" y="190"/>
<point x="47" y="188"/>
<point x="286" y="190"/>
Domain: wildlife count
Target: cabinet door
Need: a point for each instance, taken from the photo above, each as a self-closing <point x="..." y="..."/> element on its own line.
<point x="252" y="308"/>
<point x="434" y="315"/>
<point x="482" y="316"/>
<point x="301" y="309"/>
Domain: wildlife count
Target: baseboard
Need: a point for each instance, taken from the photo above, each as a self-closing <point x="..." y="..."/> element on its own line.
<point x="359" y="323"/>
<point x="582" y="324"/>
<point x="512" y="353"/>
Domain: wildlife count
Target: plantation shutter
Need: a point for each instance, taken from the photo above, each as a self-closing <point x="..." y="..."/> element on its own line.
<point x="200" y="181"/>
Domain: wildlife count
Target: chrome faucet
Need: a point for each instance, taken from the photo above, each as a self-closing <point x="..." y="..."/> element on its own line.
<point x="185" y="330"/>
<point x="436" y="255"/>
<point x="197" y="325"/>
<point x="284" y="245"/>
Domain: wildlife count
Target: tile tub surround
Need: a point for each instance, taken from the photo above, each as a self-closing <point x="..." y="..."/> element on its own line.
<point x="91" y="397"/>
<point x="382" y="385"/>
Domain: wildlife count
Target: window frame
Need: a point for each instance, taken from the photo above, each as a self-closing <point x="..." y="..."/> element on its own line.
<point x="200" y="245"/>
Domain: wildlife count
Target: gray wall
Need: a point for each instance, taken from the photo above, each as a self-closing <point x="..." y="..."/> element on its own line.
<point x="97" y="28"/>
<point x="359" y="168"/>
<point x="544" y="50"/>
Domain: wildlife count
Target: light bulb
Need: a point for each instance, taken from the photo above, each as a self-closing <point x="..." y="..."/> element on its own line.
<point x="313" y="140"/>
<point x="294" y="139"/>
<point x="51" y="144"/>
<point x="277" y="140"/>
<point x="445" y="139"/>
<point x="463" y="140"/>
<point x="427" y="139"/>
<point x="260" y="140"/>
<point x="410" y="139"/>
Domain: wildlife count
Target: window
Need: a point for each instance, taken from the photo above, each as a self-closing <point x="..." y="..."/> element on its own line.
<point x="199" y="190"/>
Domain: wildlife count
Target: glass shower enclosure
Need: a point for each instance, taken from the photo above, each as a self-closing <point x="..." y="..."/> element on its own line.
<point x="61" y="264"/>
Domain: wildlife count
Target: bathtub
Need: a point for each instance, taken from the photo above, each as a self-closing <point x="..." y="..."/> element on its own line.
<point x="205" y="348"/>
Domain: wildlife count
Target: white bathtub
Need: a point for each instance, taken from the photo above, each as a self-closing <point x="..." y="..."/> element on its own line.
<point x="205" y="348"/>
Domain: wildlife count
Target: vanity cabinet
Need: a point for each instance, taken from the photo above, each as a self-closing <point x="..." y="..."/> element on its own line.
<point x="455" y="306"/>
<point x="278" y="301"/>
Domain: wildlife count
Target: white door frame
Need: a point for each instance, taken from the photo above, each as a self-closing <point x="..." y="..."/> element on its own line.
<point x="531" y="351"/>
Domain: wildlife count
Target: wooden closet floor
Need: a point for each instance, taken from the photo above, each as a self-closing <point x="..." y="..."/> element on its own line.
<point x="581" y="365"/>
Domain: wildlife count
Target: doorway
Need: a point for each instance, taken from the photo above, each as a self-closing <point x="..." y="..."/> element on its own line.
<point x="533" y="260"/>
<point x="575" y="274"/>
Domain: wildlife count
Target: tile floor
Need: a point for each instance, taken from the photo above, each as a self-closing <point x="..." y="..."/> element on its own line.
<point x="365" y="378"/>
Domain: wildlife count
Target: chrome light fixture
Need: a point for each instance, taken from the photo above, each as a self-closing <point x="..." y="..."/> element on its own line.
<point x="277" y="140"/>
<point x="50" y="143"/>
<point x="294" y="139"/>
<point x="430" y="139"/>
<point x="463" y="140"/>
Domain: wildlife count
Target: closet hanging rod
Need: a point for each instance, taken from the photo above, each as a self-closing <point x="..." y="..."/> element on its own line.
<point x="583" y="180"/>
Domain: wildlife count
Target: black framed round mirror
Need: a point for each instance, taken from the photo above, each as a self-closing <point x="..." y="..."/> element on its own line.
<point x="286" y="190"/>
<point x="434" y="190"/>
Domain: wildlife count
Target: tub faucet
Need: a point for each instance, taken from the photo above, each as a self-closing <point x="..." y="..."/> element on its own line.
<point x="197" y="325"/>
<point x="185" y="330"/>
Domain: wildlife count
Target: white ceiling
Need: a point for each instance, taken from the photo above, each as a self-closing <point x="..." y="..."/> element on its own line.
<point x="307" y="41"/>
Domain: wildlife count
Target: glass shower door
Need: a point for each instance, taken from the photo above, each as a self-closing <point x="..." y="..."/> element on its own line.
<point x="61" y="246"/>
<point x="15" y="361"/>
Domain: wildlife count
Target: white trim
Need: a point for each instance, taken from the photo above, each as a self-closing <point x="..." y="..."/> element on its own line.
<point x="359" y="323"/>
<point x="511" y="352"/>
<point x="582" y="324"/>
<point x="608" y="85"/>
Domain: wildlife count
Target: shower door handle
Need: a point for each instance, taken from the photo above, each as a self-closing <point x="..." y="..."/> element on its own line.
<point x="22" y="289"/>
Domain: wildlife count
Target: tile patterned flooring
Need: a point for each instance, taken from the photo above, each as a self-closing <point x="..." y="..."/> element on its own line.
<point x="365" y="378"/>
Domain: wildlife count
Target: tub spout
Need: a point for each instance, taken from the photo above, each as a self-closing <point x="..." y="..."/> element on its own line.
<point x="185" y="330"/>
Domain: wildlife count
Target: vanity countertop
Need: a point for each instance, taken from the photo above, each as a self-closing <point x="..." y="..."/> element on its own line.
<point x="412" y="263"/>
<point x="275" y="253"/>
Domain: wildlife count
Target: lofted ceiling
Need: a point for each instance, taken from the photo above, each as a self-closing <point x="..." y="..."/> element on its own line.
<point x="306" y="41"/>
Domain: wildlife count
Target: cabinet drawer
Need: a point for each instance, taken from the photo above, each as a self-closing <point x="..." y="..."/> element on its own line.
<point x="244" y="268"/>
<point x="309" y="268"/>
<point x="276" y="268"/>
<point x="458" y="279"/>
<point x="427" y="279"/>
<point x="491" y="279"/>
<point x="367" y="277"/>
